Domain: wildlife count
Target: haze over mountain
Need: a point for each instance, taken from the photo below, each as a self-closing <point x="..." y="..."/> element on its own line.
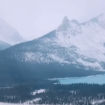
<point x="8" y="34"/>
<point x="73" y="49"/>
<point x="4" y="45"/>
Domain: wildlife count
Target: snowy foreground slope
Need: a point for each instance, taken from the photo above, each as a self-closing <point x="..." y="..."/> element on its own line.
<point x="72" y="43"/>
<point x="9" y="104"/>
<point x="8" y="34"/>
<point x="92" y="103"/>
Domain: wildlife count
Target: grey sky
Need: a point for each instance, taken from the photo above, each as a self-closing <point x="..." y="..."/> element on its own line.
<point x="34" y="18"/>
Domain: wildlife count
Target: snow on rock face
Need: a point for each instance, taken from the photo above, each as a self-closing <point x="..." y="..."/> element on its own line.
<point x="81" y="44"/>
<point x="87" y="37"/>
<point x="66" y="24"/>
<point x="73" y="43"/>
<point x="36" y="100"/>
<point x="8" y="34"/>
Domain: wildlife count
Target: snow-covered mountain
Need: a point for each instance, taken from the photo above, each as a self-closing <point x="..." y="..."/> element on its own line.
<point x="87" y="39"/>
<point x="8" y="34"/>
<point x="81" y="45"/>
<point x="4" y="45"/>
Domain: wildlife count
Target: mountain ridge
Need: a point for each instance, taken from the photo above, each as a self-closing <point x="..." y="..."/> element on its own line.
<point x="75" y="43"/>
<point x="76" y="51"/>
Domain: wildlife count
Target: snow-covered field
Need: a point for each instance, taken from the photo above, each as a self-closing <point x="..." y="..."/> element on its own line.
<point x="1" y="103"/>
<point x="97" y="102"/>
<point x="39" y="91"/>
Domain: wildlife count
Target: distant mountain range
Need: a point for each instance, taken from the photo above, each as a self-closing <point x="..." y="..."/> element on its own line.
<point x="4" y="45"/>
<point x="73" y="49"/>
<point x="8" y="35"/>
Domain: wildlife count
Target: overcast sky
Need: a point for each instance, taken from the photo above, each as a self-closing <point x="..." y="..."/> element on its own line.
<point x="34" y="18"/>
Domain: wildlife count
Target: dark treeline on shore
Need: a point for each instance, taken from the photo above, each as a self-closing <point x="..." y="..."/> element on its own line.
<point x="77" y="94"/>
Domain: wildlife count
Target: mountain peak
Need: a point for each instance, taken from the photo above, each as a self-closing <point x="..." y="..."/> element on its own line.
<point x="65" y="20"/>
<point x="81" y="45"/>
<point x="66" y="24"/>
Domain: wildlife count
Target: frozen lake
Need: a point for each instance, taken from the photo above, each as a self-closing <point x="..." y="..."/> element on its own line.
<point x="98" y="79"/>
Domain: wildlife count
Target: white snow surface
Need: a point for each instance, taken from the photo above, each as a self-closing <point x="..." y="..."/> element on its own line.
<point x="27" y="104"/>
<point x="36" y="100"/>
<point x="88" y="38"/>
<point x="39" y="91"/>
<point x="96" y="102"/>
<point x="1" y="103"/>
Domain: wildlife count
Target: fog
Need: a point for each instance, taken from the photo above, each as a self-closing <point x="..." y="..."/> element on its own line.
<point x="34" y="18"/>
